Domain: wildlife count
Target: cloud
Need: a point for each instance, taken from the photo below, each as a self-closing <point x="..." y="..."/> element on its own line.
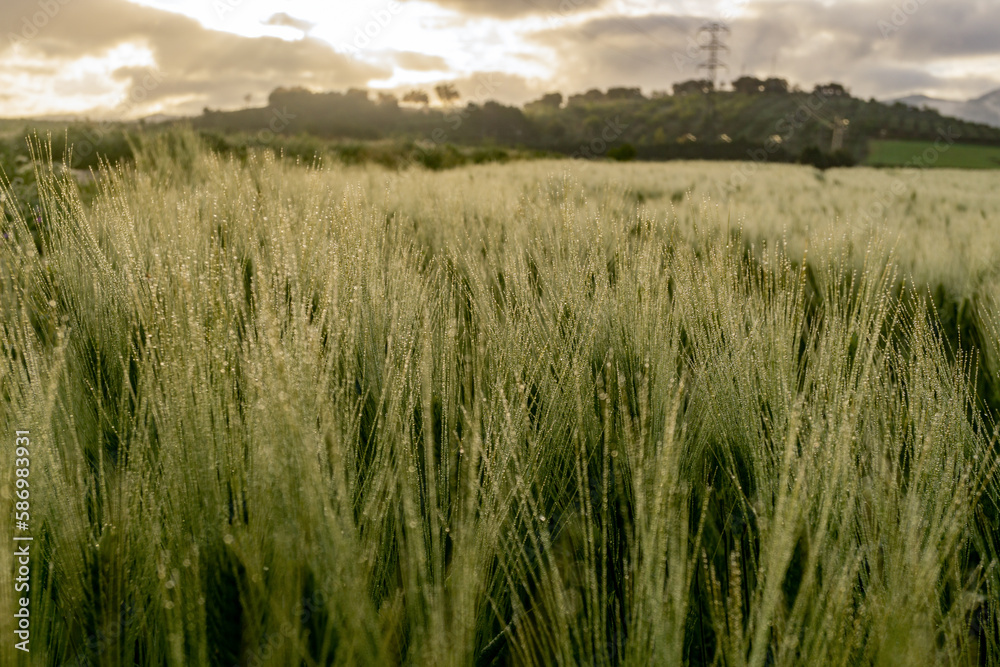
<point x="288" y="21"/>
<point x="938" y="47"/>
<point x="806" y="41"/>
<point x="650" y="51"/>
<point x="936" y="30"/>
<point x="199" y="67"/>
<point x="419" y="62"/>
<point x="497" y="86"/>
<point x="515" y="8"/>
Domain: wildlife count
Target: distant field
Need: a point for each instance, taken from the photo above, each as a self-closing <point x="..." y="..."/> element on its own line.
<point x="898" y="153"/>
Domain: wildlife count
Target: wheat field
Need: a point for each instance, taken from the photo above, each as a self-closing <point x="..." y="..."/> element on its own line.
<point x="544" y="413"/>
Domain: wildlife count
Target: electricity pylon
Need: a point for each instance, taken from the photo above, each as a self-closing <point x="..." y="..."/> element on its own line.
<point x="713" y="63"/>
<point x="714" y="48"/>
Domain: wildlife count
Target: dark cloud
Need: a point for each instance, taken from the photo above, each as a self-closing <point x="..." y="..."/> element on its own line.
<point x="287" y="21"/>
<point x="513" y="8"/>
<point x="419" y="62"/>
<point x="198" y="67"/>
<point x="936" y="30"/>
<point x="806" y="42"/>
<point x="875" y="47"/>
<point x="651" y="51"/>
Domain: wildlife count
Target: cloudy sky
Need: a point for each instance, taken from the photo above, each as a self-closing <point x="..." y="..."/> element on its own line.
<point x="133" y="58"/>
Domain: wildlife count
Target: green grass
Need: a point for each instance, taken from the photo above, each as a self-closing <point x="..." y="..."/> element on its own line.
<point x="497" y="415"/>
<point x="886" y="153"/>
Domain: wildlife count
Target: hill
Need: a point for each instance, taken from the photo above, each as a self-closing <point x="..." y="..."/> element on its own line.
<point x="765" y="123"/>
<point x="984" y="109"/>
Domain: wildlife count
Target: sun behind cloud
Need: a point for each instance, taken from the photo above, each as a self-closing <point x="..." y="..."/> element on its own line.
<point x="89" y="58"/>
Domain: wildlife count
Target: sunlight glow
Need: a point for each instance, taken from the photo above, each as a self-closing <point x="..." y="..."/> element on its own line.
<point x="92" y="84"/>
<point x="408" y="43"/>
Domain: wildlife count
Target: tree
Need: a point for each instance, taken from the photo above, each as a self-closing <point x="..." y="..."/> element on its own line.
<point x="693" y="86"/>
<point x="446" y="93"/>
<point x="416" y="97"/>
<point x="623" y="153"/>
<point x="624" y="94"/>
<point x="552" y="100"/>
<point x="284" y="95"/>
<point x="815" y="156"/>
<point x="548" y="102"/>
<point x="751" y="85"/>
<point x="387" y="100"/>
<point x="748" y="85"/>
<point x="830" y="90"/>
<point x="774" y="85"/>
<point x="592" y="95"/>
